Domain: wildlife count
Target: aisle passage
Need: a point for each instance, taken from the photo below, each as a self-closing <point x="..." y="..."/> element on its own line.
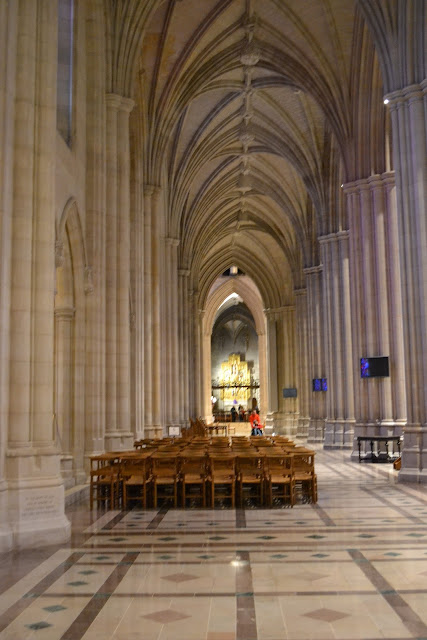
<point x="353" y="566"/>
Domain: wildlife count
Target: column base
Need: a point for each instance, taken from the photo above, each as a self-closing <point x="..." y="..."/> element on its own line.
<point x="119" y="441"/>
<point x="302" y="428"/>
<point x="6" y="534"/>
<point x="281" y="424"/>
<point x="34" y="512"/>
<point x="316" y="430"/>
<point x="339" y="434"/>
<point x="154" y="431"/>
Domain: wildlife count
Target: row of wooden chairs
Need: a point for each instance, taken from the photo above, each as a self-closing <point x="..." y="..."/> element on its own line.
<point x="204" y="476"/>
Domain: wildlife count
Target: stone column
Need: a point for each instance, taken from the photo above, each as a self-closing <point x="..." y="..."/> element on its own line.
<point x="148" y="325"/>
<point x="273" y="405"/>
<point x="36" y="490"/>
<point x="316" y="352"/>
<point x="8" y="53"/>
<point x="199" y="369"/>
<point x="155" y="314"/>
<point x="263" y="375"/>
<point x="303" y="378"/>
<point x="377" y="309"/>
<point x="408" y="109"/>
<point x="174" y="330"/>
<point x="286" y="419"/>
<point x="137" y="280"/>
<point x="184" y="323"/>
<point x="339" y="426"/>
<point x="123" y="275"/>
<point x="118" y="433"/>
<point x="193" y="361"/>
<point x="95" y="238"/>
<point x="63" y="392"/>
<point x="171" y="332"/>
<point x="112" y="437"/>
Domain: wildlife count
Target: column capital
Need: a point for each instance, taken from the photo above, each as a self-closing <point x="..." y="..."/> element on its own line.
<point x="300" y="292"/>
<point x="275" y="314"/>
<point x="333" y="237"/>
<point x="184" y="272"/>
<point x="373" y="182"/>
<point x="127" y="104"/>
<point x="118" y="102"/>
<point x="151" y="190"/>
<point x="113" y="101"/>
<point x="59" y="253"/>
<point x="88" y="280"/>
<point x="409" y="94"/>
<point x="65" y="313"/>
<point x="172" y="242"/>
<point x="308" y="271"/>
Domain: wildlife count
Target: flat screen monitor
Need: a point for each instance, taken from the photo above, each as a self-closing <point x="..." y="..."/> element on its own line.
<point x="290" y="393"/>
<point x="320" y="384"/>
<point x="376" y="367"/>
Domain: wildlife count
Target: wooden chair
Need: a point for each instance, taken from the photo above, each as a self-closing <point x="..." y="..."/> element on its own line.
<point x="250" y="474"/>
<point x="279" y="477"/>
<point x="104" y="479"/>
<point x="222" y="477"/>
<point x="165" y="477"/>
<point x="305" y="476"/>
<point x="136" y="478"/>
<point x="193" y="474"/>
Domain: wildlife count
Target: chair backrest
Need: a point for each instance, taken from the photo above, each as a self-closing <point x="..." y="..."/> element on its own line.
<point x="249" y="463"/>
<point x="303" y="461"/>
<point x="137" y="468"/>
<point x="279" y="463"/>
<point x="194" y="463"/>
<point x="225" y="463"/>
<point x="163" y="464"/>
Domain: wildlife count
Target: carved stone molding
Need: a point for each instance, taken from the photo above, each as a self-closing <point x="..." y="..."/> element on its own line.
<point x="88" y="285"/>
<point x="59" y="254"/>
<point x="410" y="94"/>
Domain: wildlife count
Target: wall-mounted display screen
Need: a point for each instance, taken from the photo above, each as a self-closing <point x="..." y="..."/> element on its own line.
<point x="376" y="367"/>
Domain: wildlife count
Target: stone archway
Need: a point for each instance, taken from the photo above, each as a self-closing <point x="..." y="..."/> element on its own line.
<point x="69" y="379"/>
<point x="245" y="288"/>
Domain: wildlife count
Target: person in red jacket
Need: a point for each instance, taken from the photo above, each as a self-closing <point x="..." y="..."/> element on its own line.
<point x="256" y="427"/>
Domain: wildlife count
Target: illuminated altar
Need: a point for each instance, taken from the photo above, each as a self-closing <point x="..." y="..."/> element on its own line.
<point x="235" y="382"/>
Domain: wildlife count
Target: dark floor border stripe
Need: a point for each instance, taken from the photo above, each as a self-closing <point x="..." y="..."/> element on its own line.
<point x="401" y="511"/>
<point x="114" y="521"/>
<point x="212" y="594"/>
<point x="158" y="518"/>
<point x="27" y="599"/>
<point x="401" y="608"/>
<point x="246" y="628"/>
<point x="327" y="521"/>
<point x="86" y="617"/>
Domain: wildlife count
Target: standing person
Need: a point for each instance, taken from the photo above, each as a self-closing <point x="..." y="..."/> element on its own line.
<point x="233" y="413"/>
<point x="254" y="419"/>
<point x="241" y="413"/>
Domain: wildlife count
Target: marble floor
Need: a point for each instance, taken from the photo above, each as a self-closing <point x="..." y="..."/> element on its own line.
<point x="352" y="567"/>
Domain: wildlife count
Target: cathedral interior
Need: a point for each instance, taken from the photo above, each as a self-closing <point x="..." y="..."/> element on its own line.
<point x="208" y="204"/>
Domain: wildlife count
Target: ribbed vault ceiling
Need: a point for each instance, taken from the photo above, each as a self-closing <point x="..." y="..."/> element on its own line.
<point x="249" y="116"/>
